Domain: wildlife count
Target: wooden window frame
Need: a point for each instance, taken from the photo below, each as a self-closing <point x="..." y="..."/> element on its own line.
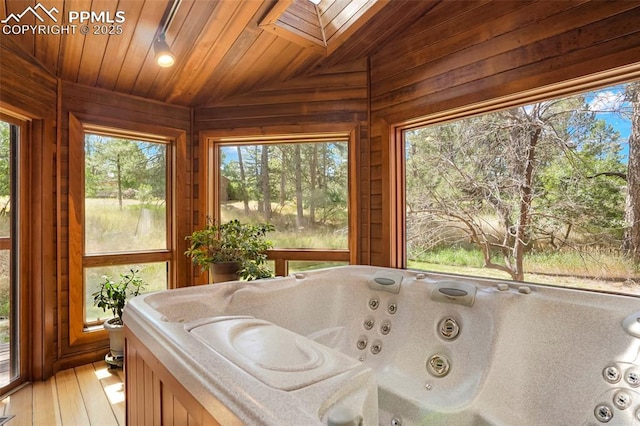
<point x="23" y="203"/>
<point x="211" y="140"/>
<point x="79" y="125"/>
<point x="394" y="222"/>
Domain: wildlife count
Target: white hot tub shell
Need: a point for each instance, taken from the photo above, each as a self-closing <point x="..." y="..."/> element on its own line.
<point x="397" y="347"/>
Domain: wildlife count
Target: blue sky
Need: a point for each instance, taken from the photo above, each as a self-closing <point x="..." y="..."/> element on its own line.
<point x="612" y="99"/>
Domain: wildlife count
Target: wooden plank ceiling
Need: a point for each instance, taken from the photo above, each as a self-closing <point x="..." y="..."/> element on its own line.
<point x="220" y="46"/>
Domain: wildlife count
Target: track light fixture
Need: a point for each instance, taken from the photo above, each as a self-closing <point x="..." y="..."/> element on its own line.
<point x="164" y="57"/>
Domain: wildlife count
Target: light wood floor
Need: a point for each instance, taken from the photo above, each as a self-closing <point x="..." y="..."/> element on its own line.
<point x="88" y="395"/>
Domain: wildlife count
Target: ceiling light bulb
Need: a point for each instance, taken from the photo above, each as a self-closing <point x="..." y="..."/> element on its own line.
<point x="165" y="60"/>
<point x="316" y="2"/>
<point x="164" y="57"/>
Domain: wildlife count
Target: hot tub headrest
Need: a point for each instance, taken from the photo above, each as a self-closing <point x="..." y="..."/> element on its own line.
<point x="386" y="281"/>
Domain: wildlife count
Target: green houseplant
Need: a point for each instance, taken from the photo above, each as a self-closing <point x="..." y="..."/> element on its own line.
<point x="112" y="295"/>
<point x="241" y="248"/>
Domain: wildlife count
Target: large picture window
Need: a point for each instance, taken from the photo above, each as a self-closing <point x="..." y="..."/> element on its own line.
<point x="300" y="186"/>
<point x="546" y="193"/>
<point x="125" y="210"/>
<point x="122" y="221"/>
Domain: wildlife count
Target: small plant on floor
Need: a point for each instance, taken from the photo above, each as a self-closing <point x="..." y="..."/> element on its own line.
<point x="112" y="295"/>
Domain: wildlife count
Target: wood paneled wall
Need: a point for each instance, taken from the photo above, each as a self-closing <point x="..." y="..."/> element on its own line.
<point x="468" y="52"/>
<point x="336" y="97"/>
<point x="25" y="86"/>
<point x="98" y="106"/>
<point x="28" y="90"/>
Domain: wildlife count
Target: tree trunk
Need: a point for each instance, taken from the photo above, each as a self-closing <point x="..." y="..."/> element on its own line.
<point x="119" y="174"/>
<point x="526" y="194"/>
<point x="283" y="178"/>
<point x="264" y="176"/>
<point x="632" y="208"/>
<point x="243" y="182"/>
<point x="298" y="171"/>
<point x="257" y="173"/>
<point x="313" y="177"/>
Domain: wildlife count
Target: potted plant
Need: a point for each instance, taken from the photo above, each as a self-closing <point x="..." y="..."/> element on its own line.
<point x="112" y="295"/>
<point x="231" y="250"/>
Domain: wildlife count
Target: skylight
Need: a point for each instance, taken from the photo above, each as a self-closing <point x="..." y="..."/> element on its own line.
<point x="323" y="24"/>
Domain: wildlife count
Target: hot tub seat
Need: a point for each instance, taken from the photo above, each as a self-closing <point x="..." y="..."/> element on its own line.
<point x="277" y="357"/>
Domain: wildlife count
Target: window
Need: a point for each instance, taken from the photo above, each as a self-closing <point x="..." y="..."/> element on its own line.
<point x="300" y="185"/>
<point x="125" y="211"/>
<point x="535" y="193"/>
<point x="124" y="191"/>
<point x="8" y="144"/>
<point x="14" y="214"/>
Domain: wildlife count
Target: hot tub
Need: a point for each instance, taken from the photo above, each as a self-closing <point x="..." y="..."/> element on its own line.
<point x="394" y="347"/>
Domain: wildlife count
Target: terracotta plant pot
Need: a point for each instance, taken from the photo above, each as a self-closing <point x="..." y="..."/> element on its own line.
<point x="225" y="272"/>
<point x="116" y="337"/>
